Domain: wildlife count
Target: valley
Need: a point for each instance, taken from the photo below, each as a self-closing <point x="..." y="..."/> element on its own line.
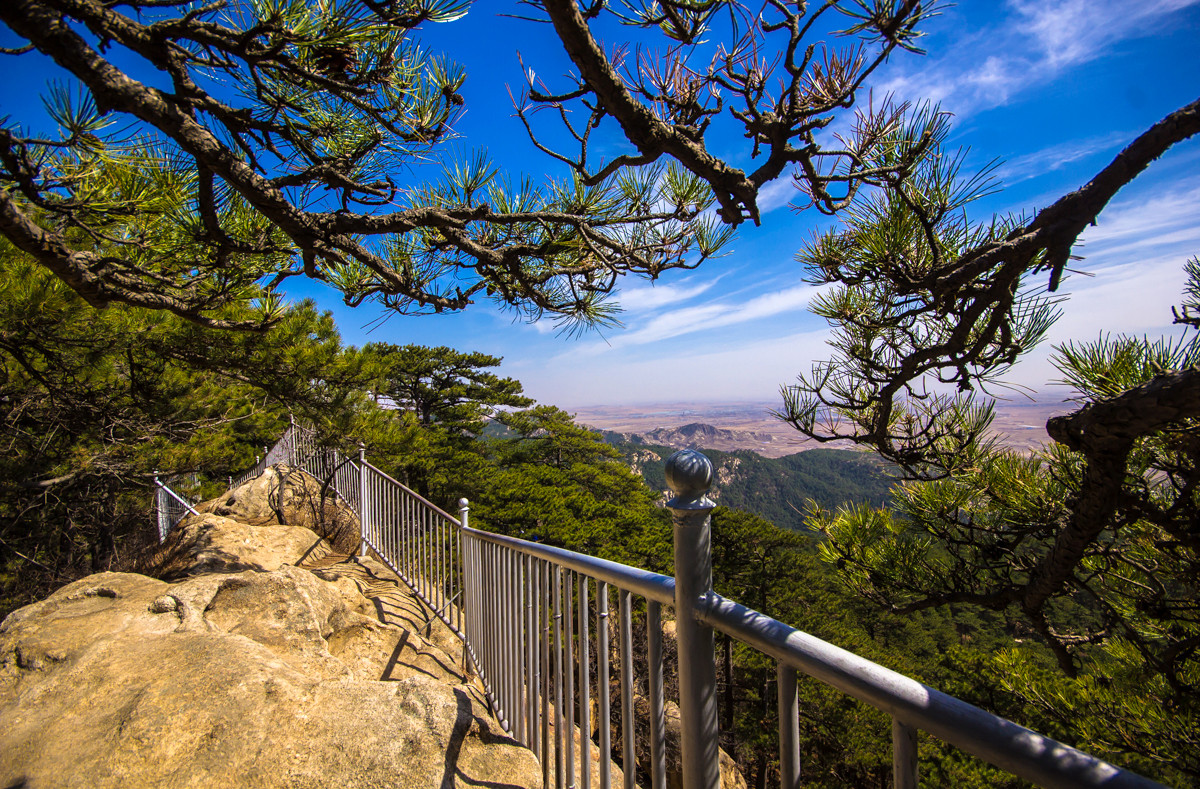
<point x="1020" y="424"/>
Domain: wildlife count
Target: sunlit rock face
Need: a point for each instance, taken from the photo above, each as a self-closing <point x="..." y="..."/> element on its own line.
<point x="248" y="671"/>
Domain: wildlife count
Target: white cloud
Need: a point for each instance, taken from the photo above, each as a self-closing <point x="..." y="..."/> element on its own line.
<point x="648" y="297"/>
<point x="1069" y="32"/>
<point x="1056" y="157"/>
<point x="1133" y="299"/>
<point x="1141" y="218"/>
<point x="1039" y="39"/>
<point x="776" y="194"/>
<point x="743" y="371"/>
<point x="1136" y="255"/>
<point x="707" y="316"/>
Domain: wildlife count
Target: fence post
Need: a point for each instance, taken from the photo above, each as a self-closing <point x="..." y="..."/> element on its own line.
<point x="689" y="476"/>
<point x="291" y="440"/>
<point x="158" y="509"/>
<point x="363" y="517"/>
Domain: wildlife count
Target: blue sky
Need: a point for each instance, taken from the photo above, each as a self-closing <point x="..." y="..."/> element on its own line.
<point x="1054" y="88"/>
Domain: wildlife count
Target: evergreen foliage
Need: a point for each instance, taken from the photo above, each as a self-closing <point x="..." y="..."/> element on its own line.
<point x="441" y="384"/>
<point x="1090" y="543"/>
<point x="93" y="403"/>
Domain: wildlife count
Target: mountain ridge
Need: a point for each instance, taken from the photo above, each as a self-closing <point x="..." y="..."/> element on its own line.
<point x="779" y="489"/>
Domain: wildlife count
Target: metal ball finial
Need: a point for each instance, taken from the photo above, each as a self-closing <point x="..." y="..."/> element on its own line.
<point x="689" y="474"/>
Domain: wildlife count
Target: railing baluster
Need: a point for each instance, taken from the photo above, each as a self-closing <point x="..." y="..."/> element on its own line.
<point x="559" y="679"/>
<point x="487" y="618"/>
<point x="514" y="647"/>
<point x="459" y="574"/>
<point x="628" y="760"/>
<point x="585" y="688"/>
<point x="658" y="720"/>
<point x="501" y="606"/>
<point x="501" y="677"/>
<point x="545" y="623"/>
<point x="904" y="755"/>
<point x="362" y="496"/>
<point x="569" y="637"/>
<point x="789" y="727"/>
<point x="496" y="669"/>
<point x="602" y="688"/>
<point x="531" y="681"/>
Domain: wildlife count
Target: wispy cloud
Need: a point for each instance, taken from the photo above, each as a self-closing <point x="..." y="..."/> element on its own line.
<point x="641" y="299"/>
<point x="1056" y="157"/>
<point x="647" y="297"/>
<point x="1070" y="32"/>
<point x="1038" y="39"/>
<point x="752" y="370"/>
<point x="708" y="316"/>
<point x="1135" y="254"/>
<point x="1141" y="222"/>
<point x="776" y="194"/>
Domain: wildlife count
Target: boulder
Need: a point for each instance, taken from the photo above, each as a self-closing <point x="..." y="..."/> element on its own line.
<point x="253" y="679"/>
<point x="208" y="543"/>
<point x="285" y="496"/>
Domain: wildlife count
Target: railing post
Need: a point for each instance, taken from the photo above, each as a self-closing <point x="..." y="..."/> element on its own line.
<point x="789" y="727"/>
<point x="363" y="518"/>
<point x="291" y="440"/>
<point x="464" y="611"/>
<point x="689" y="476"/>
<point x="158" y="509"/>
<point x="904" y="755"/>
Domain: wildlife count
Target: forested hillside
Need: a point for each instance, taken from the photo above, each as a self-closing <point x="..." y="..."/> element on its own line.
<point x="778" y="489"/>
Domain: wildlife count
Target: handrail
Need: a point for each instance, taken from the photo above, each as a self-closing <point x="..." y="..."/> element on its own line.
<point x="1010" y="746"/>
<point x="652" y="586"/>
<point x="410" y="492"/>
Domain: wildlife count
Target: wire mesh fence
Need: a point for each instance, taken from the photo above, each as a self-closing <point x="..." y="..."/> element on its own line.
<point x="168" y="510"/>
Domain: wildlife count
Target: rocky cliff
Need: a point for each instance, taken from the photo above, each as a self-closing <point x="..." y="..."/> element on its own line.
<point x="262" y="657"/>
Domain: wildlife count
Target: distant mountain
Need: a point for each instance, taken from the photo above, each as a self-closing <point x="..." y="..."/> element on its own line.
<point x="777" y="489"/>
<point x="696" y="434"/>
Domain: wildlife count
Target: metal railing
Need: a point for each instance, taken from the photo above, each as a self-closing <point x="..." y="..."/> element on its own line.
<point x="535" y="618"/>
<point x="168" y="510"/>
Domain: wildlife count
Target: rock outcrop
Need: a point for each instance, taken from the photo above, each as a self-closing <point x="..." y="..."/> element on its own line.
<point x="244" y="670"/>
